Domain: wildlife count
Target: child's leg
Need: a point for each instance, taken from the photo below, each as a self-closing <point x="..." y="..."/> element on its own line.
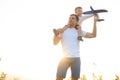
<point x="55" y="32"/>
<point x="80" y="33"/>
<point x="65" y="27"/>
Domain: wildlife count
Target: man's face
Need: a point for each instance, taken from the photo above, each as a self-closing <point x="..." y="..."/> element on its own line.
<point x="78" y="12"/>
<point x="72" y="20"/>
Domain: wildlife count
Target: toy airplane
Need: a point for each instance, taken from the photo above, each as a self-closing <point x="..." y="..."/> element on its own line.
<point x="95" y="12"/>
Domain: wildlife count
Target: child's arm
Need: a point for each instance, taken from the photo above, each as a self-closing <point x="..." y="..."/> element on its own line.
<point x="87" y="17"/>
<point x="83" y="18"/>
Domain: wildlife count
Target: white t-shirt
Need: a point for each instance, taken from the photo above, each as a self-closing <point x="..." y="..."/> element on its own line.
<point x="70" y="43"/>
<point x="84" y="17"/>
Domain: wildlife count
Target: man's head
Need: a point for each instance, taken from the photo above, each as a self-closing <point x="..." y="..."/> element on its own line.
<point x="73" y="20"/>
<point x="78" y="11"/>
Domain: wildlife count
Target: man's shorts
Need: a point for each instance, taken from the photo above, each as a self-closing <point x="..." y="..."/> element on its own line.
<point x="65" y="63"/>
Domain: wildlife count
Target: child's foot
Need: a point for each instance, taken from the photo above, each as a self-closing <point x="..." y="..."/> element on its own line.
<point x="55" y="32"/>
<point x="80" y="38"/>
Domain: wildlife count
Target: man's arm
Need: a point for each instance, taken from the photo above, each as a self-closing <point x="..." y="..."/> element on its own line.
<point x="93" y="34"/>
<point x="56" y="39"/>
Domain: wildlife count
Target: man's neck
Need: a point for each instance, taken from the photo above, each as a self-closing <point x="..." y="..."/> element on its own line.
<point x="71" y="26"/>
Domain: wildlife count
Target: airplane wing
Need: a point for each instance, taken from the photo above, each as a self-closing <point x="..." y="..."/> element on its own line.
<point x="95" y="11"/>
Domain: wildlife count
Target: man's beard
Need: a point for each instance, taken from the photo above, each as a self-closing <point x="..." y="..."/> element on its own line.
<point x="71" y="24"/>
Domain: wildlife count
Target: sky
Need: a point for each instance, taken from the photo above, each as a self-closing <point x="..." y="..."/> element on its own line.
<point x="26" y="37"/>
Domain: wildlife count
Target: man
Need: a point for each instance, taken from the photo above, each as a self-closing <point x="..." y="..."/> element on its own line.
<point x="78" y="12"/>
<point x="71" y="49"/>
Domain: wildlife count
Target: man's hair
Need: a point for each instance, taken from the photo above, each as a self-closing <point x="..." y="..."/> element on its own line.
<point x="77" y="18"/>
<point x="78" y="8"/>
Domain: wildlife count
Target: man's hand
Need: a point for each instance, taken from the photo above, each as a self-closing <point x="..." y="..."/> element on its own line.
<point x="96" y="17"/>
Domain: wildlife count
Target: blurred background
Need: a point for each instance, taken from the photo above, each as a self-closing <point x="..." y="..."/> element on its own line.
<point x="26" y="39"/>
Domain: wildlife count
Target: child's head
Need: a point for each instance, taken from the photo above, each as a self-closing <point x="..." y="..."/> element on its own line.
<point x="78" y="11"/>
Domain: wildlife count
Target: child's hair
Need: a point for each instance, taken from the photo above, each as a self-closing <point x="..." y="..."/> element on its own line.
<point x="78" y="8"/>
